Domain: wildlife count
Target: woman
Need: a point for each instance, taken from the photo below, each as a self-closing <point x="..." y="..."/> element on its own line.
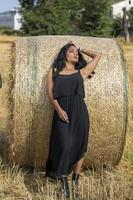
<point x="70" y="124"/>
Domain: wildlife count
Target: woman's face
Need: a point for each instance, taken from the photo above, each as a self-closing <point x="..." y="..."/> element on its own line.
<point x="72" y="54"/>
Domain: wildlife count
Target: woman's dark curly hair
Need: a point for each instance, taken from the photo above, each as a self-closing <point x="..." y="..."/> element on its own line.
<point x="59" y="62"/>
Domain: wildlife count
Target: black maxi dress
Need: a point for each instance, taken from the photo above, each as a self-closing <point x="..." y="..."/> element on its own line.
<point x="68" y="141"/>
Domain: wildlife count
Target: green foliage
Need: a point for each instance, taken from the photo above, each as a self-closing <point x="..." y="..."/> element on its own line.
<point x="117" y="26"/>
<point x="96" y="20"/>
<point x="50" y="17"/>
<point x="130" y="14"/>
<point x="9" y="31"/>
<point x="67" y="17"/>
<point x="28" y="4"/>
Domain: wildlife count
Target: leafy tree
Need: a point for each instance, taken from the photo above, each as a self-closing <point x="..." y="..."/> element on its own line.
<point x="28" y="4"/>
<point x="130" y="14"/>
<point x="50" y="16"/>
<point x="96" y="20"/>
<point x="66" y="17"/>
<point x="117" y="26"/>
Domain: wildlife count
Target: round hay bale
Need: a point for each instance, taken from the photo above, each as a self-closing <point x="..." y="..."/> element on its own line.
<point x="5" y="86"/>
<point x="106" y="100"/>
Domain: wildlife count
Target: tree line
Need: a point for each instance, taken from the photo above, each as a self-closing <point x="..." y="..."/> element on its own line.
<point x="69" y="17"/>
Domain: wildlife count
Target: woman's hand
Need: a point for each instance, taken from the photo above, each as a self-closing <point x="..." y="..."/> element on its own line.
<point x="63" y="115"/>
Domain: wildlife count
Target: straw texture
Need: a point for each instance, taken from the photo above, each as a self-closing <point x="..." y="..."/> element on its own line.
<point x="106" y="100"/>
<point x="6" y="79"/>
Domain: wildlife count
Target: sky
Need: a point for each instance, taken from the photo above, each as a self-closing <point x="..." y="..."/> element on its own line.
<point x="6" y="5"/>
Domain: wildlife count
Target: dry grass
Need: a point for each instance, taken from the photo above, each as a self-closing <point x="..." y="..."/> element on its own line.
<point x="6" y="38"/>
<point x="101" y="184"/>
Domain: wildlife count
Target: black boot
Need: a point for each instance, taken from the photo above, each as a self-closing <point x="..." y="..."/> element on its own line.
<point x="65" y="187"/>
<point x="75" y="185"/>
<point x="75" y="179"/>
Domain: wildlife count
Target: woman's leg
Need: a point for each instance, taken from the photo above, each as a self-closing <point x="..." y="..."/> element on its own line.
<point x="77" y="166"/>
<point x="65" y="186"/>
<point x="76" y="173"/>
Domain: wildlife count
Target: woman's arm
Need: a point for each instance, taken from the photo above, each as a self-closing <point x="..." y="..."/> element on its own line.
<point x="50" y="85"/>
<point x="89" y="68"/>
